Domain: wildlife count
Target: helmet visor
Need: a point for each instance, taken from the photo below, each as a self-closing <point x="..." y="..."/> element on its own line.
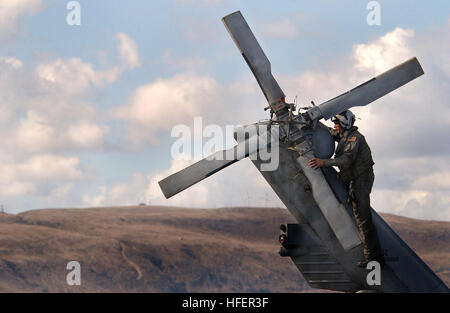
<point x="335" y="120"/>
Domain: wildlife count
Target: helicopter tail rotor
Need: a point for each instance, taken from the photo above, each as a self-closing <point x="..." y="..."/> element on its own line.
<point x="369" y="91"/>
<point x="254" y="56"/>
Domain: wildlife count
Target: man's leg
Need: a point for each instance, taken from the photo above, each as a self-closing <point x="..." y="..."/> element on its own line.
<point x="361" y="209"/>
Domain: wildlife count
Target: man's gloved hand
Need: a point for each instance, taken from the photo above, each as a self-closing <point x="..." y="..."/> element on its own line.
<point x="316" y="163"/>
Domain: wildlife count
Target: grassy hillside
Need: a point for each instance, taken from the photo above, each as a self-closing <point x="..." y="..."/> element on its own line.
<point x="162" y="249"/>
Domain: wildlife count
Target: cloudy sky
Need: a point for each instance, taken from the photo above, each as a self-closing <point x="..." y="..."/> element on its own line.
<point x="86" y="112"/>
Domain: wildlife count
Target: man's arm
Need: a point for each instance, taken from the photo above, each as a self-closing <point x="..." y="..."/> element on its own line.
<point x="347" y="158"/>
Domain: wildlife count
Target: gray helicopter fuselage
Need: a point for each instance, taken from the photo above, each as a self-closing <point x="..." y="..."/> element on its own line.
<point x="326" y="242"/>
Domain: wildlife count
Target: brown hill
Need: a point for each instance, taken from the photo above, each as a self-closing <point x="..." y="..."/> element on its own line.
<point x="162" y="249"/>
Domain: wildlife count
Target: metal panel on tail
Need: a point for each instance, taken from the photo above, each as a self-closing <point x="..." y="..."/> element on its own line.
<point x="408" y="267"/>
<point x="319" y="268"/>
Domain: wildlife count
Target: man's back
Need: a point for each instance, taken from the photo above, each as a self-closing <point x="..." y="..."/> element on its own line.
<point x="355" y="154"/>
<point x="352" y="155"/>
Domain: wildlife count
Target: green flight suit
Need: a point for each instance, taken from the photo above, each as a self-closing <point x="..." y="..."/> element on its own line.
<point x="354" y="159"/>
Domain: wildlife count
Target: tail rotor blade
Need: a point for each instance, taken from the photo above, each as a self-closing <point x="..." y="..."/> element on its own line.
<point x="219" y="160"/>
<point x="253" y="55"/>
<point x="195" y="173"/>
<point x="369" y="91"/>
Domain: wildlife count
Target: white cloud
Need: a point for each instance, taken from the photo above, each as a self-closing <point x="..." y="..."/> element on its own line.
<point x="128" y="51"/>
<point x="406" y="129"/>
<point x="49" y="167"/>
<point x="48" y="108"/>
<point x="436" y="47"/>
<point x="285" y="29"/>
<point x="73" y="76"/>
<point x="86" y="134"/>
<point x="12" y="10"/>
<point x="97" y="200"/>
<point x="408" y="145"/>
<point x="26" y="177"/>
<point x="174" y="99"/>
<point x="143" y="189"/>
<point x="385" y="52"/>
<point x="184" y="64"/>
<point x="412" y="186"/>
<point x="128" y="193"/>
<point x="13" y="62"/>
<point x="200" y="30"/>
<point x="413" y="203"/>
<point x="34" y="133"/>
<point x="237" y="185"/>
<point x="47" y="111"/>
<point x="160" y="105"/>
<point x="15" y="188"/>
<point x="37" y="133"/>
<point x="433" y="181"/>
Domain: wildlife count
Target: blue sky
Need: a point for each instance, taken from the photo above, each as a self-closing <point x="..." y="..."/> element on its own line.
<point x="75" y="81"/>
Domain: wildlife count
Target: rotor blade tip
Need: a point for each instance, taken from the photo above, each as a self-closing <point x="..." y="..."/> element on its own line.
<point x="164" y="191"/>
<point x="237" y="12"/>
<point x="420" y="70"/>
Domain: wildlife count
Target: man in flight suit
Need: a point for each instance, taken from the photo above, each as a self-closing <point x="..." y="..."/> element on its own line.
<point x="354" y="159"/>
